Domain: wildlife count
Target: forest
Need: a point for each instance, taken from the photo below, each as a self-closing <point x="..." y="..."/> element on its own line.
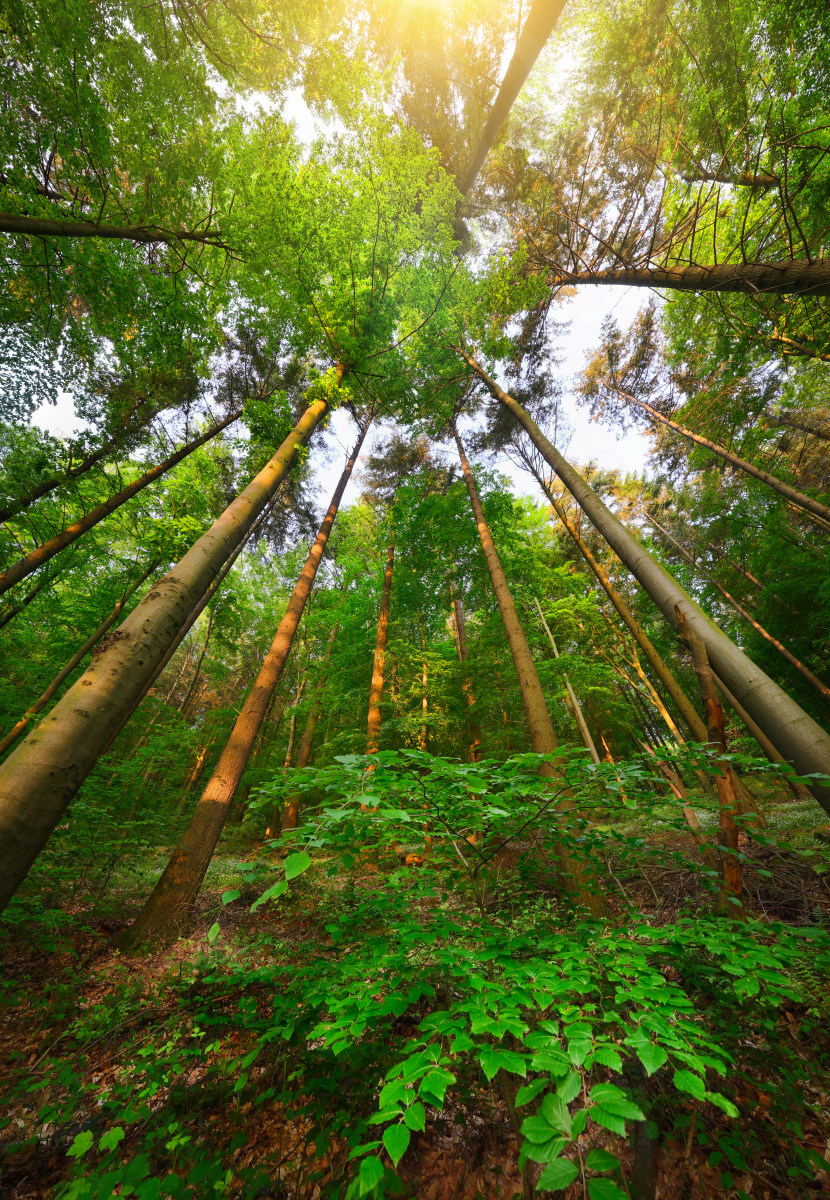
<point x="395" y="801"/>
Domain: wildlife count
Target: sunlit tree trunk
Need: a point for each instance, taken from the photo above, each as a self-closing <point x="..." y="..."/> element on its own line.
<point x="798" y="736"/>
<point x="379" y="660"/>
<point x="40" y="777"/>
<point x="169" y="908"/>
<point x="540" y="726"/>
<point x="41" y="554"/>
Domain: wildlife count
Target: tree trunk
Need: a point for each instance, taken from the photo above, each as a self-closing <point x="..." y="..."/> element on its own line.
<point x="585" y="733"/>
<point x="772" y="481"/>
<point x="198" y="667"/>
<point x="16" y="609"/>
<point x="537" y="29"/>
<point x="732" y="889"/>
<point x="792" y="277"/>
<point x="43" y="773"/>
<point x="786" y="419"/>
<point x="291" y="813"/>
<point x="52" y="227"/>
<point x="803" y="742"/>
<point x="79" y="655"/>
<point x="798" y="789"/>
<point x="41" y="554"/>
<point x="540" y="726"/>
<point x="820" y="687"/>
<point x="379" y="660"/>
<point x="169" y="909"/>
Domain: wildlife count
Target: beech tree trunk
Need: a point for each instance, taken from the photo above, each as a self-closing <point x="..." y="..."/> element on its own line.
<point x="41" y="776"/>
<point x="52" y="227"/>
<point x="820" y="687"/>
<point x="169" y="909"/>
<point x="41" y="554"/>
<point x="540" y="726"/>
<point x="78" y="657"/>
<point x="379" y="660"/>
<point x="793" y="276"/>
<point x="802" y="741"/>
<point x="584" y="731"/>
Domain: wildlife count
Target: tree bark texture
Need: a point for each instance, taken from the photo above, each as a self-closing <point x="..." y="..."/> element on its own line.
<point x="820" y="687"/>
<point x="40" y="777"/>
<point x="169" y="909"/>
<point x="41" y="554"/>
<point x="796" y="276"/>
<point x="52" y="227"/>
<point x="800" y="739"/>
<point x="78" y="657"/>
<point x="772" y="481"/>
<point x="379" y="660"/>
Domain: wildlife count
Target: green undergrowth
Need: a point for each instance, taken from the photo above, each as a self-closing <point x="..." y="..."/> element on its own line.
<point x="362" y="997"/>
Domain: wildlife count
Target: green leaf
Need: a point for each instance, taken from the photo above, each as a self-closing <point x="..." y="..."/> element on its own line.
<point x="607" y="1119"/>
<point x="493" y="1059"/>
<point x="544" y="1152"/>
<point x="687" y="1081"/>
<point x="578" y="1122"/>
<point x="392" y="1093"/>
<point x="386" y="1114"/>
<point x="721" y="1102"/>
<point x="615" y="1101"/>
<point x="605" y="1189"/>
<point x="652" y="1057"/>
<point x="530" y="1091"/>
<point x="371" y="1173"/>
<point x="272" y="893"/>
<point x="396" y="1140"/>
<point x="213" y="932"/>
<point x="81" y="1144"/>
<point x="570" y="1087"/>
<point x="553" y="1061"/>
<point x="111" y="1138"/>
<point x="607" y="1056"/>
<point x="555" y="1112"/>
<point x="295" y="865"/>
<point x="558" y="1175"/>
<point x="415" y="1116"/>
<point x="229" y="897"/>
<point x="433" y="1086"/>
<point x="601" y="1160"/>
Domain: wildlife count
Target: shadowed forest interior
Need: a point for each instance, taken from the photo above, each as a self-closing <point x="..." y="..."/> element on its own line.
<point x="393" y="801"/>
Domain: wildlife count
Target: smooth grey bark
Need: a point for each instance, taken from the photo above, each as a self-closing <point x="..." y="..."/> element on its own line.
<point x="800" y="739"/>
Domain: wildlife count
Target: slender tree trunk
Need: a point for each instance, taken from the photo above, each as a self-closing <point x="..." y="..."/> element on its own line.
<point x="40" y="777"/>
<point x="782" y="650"/>
<point x="786" y="419"/>
<point x="193" y="775"/>
<point x="199" y="661"/>
<point x="78" y="657"/>
<point x="664" y="673"/>
<point x="732" y="890"/>
<point x="57" y="227"/>
<point x="16" y="609"/>
<point x="291" y="814"/>
<point x="379" y="660"/>
<point x="791" y="277"/>
<point x="537" y="29"/>
<point x="41" y="554"/>
<point x="798" y="789"/>
<point x="803" y="742"/>
<point x="540" y="726"/>
<point x="462" y="650"/>
<point x="169" y="909"/>
<point x="772" y="481"/>
<point x="577" y="711"/>
<point x="460" y="621"/>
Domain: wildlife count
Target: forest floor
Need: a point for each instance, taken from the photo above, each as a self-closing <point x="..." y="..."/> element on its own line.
<point x="79" y="1020"/>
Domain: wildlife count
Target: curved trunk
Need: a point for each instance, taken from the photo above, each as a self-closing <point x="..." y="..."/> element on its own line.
<point x="796" y="276"/>
<point x="78" y="657"/>
<point x="820" y="687"/>
<point x="772" y="481"/>
<point x="169" y="909"/>
<point x="379" y="660"/>
<point x="803" y="742"/>
<point x="40" y="777"/>
<point x="41" y="554"/>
